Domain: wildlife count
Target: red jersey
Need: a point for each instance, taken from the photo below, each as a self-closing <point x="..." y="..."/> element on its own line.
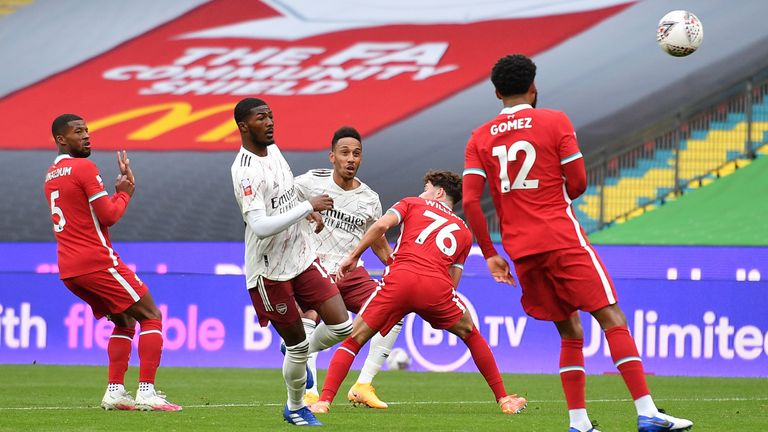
<point x="71" y="185"/>
<point x="521" y="153"/>
<point x="432" y="238"/>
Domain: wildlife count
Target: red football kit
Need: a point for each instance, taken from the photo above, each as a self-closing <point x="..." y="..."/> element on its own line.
<point x="81" y="212"/>
<point x="432" y="239"/>
<point x="524" y="154"/>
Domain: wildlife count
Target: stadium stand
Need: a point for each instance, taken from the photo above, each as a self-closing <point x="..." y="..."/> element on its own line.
<point x="661" y="173"/>
<point x="724" y="212"/>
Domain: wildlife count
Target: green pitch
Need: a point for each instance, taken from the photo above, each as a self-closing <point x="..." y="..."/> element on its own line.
<point x="65" y="398"/>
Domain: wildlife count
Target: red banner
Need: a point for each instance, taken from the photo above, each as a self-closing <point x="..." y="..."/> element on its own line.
<point x="170" y="90"/>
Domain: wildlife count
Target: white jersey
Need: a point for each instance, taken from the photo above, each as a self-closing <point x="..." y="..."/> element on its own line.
<point x="267" y="183"/>
<point x="354" y="211"/>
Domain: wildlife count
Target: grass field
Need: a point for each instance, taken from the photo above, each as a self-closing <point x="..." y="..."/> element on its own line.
<point x="65" y="398"/>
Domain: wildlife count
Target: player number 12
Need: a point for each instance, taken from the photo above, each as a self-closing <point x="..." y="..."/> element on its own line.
<point x="505" y="156"/>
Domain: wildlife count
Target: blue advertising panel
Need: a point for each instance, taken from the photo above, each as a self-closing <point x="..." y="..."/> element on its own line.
<point x="623" y="262"/>
<point x="703" y="328"/>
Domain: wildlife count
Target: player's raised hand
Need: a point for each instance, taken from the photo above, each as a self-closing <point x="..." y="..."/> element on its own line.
<point x="125" y="166"/>
<point x="321" y="202"/>
<point x="345" y="266"/>
<point x="317" y="219"/>
<point x="122" y="184"/>
<point x="499" y="268"/>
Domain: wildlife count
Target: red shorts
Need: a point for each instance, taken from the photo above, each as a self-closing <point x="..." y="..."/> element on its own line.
<point x="276" y="301"/>
<point x="557" y="283"/>
<point x="108" y="291"/>
<point x="356" y="288"/>
<point x="404" y="292"/>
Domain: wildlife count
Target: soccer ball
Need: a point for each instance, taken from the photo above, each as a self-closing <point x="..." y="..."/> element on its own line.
<point x="398" y="359"/>
<point x="680" y="33"/>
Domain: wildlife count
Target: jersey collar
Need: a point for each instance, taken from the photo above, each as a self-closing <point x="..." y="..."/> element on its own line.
<point x="514" y="109"/>
<point x="60" y="157"/>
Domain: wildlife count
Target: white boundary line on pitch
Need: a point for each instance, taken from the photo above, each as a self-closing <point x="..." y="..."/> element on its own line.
<point x="255" y="405"/>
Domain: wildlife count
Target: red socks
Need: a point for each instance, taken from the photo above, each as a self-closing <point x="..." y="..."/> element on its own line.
<point x="339" y="367"/>
<point x="150" y="349"/>
<point x="119" y="352"/>
<point x="572" y="374"/>
<point x="627" y="360"/>
<point x="485" y="362"/>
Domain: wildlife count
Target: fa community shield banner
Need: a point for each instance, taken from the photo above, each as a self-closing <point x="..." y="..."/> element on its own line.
<point x="173" y="87"/>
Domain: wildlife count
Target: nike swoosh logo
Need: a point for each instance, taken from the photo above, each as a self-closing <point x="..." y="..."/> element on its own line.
<point x="662" y="423"/>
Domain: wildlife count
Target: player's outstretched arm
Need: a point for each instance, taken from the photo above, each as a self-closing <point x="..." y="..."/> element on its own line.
<point x="375" y="232"/>
<point x="382" y="249"/>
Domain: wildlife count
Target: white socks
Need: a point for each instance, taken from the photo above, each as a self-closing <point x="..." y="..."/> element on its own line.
<point x="380" y="346"/>
<point x="646" y="407"/>
<point x="580" y="419"/>
<point x="328" y="335"/>
<point x="295" y="373"/>
<point x="309" y="328"/>
<point x="146" y="387"/>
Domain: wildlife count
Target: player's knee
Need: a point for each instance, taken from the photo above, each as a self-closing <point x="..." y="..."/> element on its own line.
<point x="463" y="329"/>
<point x="297" y="353"/>
<point x="341" y="331"/>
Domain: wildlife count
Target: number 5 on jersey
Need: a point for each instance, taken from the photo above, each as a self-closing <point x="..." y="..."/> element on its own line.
<point x="506" y="156"/>
<point x="444" y="234"/>
<point x="56" y="211"/>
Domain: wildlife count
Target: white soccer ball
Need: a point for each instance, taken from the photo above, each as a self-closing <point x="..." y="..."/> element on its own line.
<point x="398" y="359"/>
<point x="680" y="33"/>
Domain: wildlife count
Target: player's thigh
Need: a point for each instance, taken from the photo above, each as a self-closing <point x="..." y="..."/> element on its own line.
<point x="540" y="298"/>
<point x="313" y="286"/>
<point x="386" y="306"/>
<point x="582" y="280"/>
<point x="108" y="291"/>
<point x="274" y="302"/>
<point x="438" y="304"/>
<point x="356" y="288"/>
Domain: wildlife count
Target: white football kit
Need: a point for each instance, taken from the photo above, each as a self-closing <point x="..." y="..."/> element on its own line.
<point x="266" y="183"/>
<point x="354" y="211"/>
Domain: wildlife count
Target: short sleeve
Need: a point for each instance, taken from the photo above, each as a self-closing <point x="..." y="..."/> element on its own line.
<point x="567" y="147"/>
<point x="303" y="184"/>
<point x="472" y="162"/>
<point x="400" y="209"/>
<point x="250" y="191"/>
<point x="90" y="180"/>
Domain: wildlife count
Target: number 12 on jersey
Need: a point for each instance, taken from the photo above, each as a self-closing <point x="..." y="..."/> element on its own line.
<point x="509" y="155"/>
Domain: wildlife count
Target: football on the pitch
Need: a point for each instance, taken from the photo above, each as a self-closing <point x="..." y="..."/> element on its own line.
<point x="680" y="33"/>
<point x="398" y="359"/>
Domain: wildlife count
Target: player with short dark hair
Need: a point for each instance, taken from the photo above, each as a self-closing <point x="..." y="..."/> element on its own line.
<point x="421" y="277"/>
<point x="355" y="208"/>
<point x="82" y="212"/>
<point x="533" y="164"/>
<point x="282" y="270"/>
